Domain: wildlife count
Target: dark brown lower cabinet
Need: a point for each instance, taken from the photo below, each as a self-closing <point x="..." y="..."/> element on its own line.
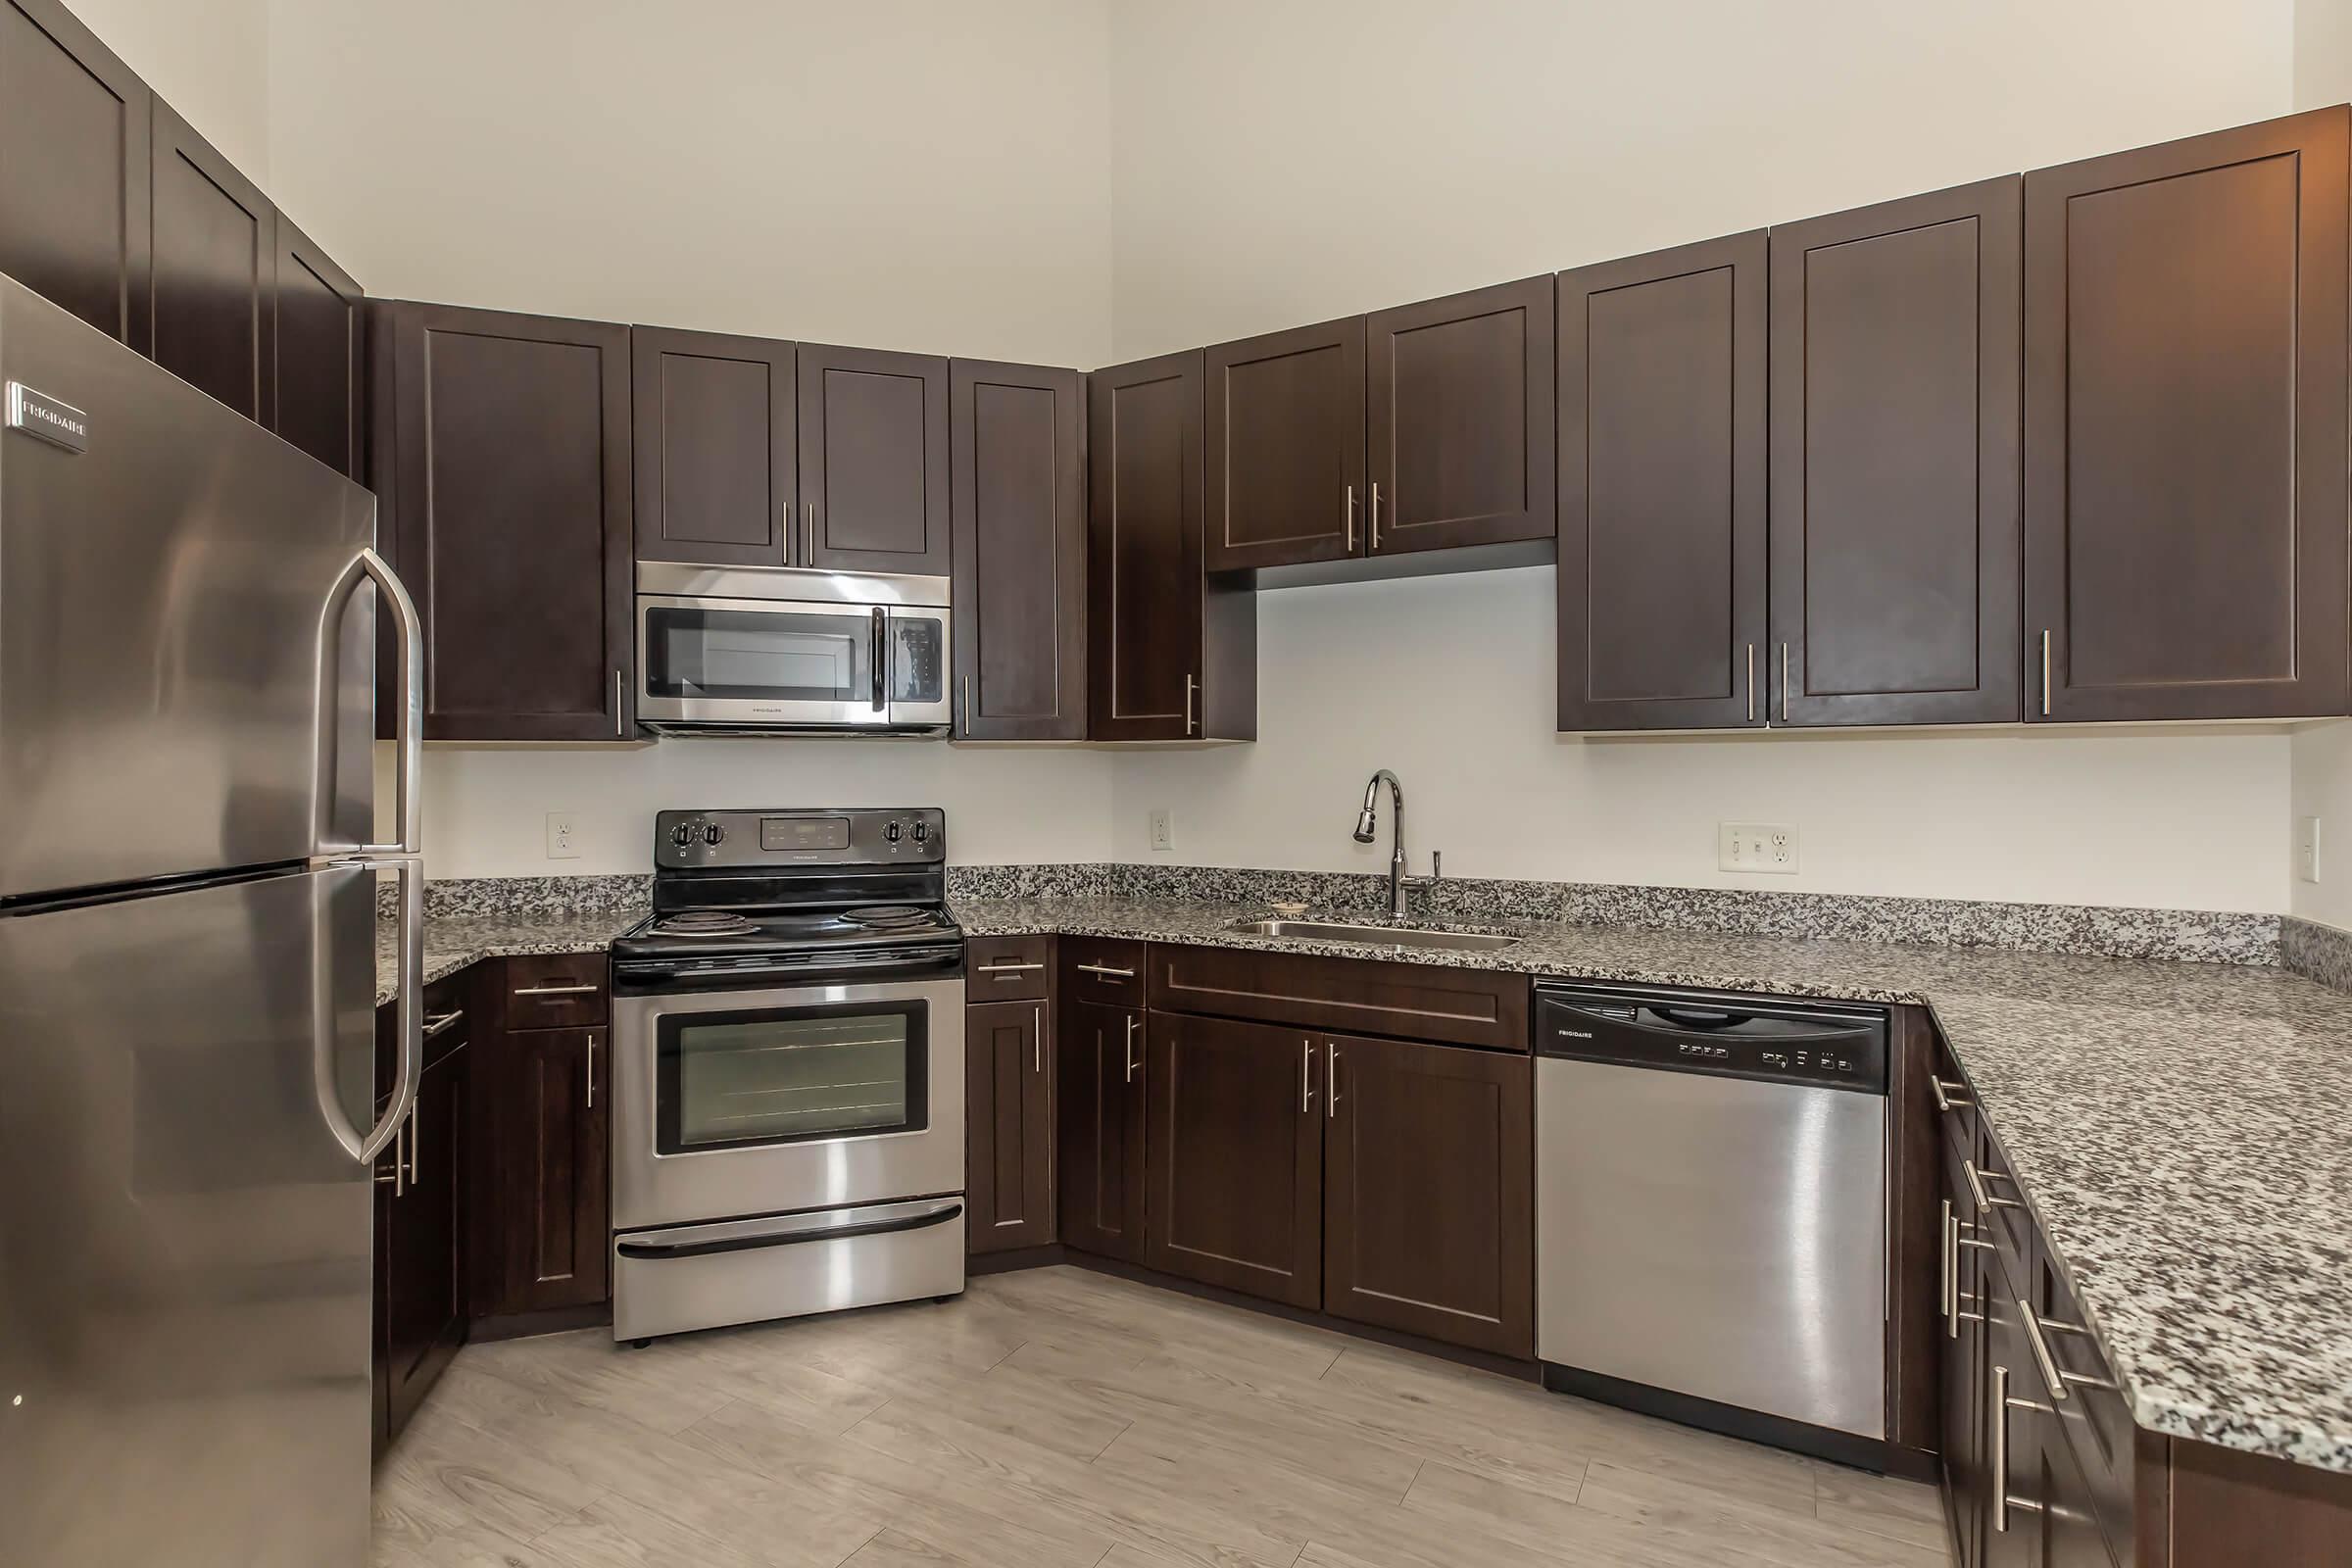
<point x="1960" y="1321"/>
<point x="1234" y="1195"/>
<point x="542" y="1185"/>
<point x="1427" y="1191"/>
<point x="422" y="1264"/>
<point x="1102" y="1068"/>
<point x="1009" y="1126"/>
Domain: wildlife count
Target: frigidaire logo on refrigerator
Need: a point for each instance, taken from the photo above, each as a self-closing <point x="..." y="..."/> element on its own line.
<point x="38" y="414"/>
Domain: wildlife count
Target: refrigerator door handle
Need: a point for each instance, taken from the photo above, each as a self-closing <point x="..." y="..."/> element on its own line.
<point x="407" y="721"/>
<point x="365" y="1146"/>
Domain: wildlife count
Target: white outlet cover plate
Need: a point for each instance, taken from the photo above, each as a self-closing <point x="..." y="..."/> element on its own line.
<point x="563" y="836"/>
<point x="1763" y="847"/>
<point x="2307" y="848"/>
<point x="1163" y="829"/>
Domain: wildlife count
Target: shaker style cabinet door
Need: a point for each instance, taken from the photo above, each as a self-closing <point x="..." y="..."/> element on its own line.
<point x="1459" y="420"/>
<point x="1101" y="1157"/>
<point x="874" y="455"/>
<point x="215" y="271"/>
<point x="1429" y="1191"/>
<point x="1895" y="383"/>
<point x="1172" y="655"/>
<point x="714" y="447"/>
<point x="1017" y="439"/>
<point x="1286" y="447"/>
<point x="75" y="211"/>
<point x="319" y="389"/>
<point x="1234" y="1191"/>
<point x="2185" y="428"/>
<point x="543" y="1182"/>
<point x="424" y="1286"/>
<point x="503" y="463"/>
<point x="1009" y="1126"/>
<point x="1662" y="501"/>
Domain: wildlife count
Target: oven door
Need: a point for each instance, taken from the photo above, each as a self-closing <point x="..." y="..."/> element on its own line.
<point x="732" y="1104"/>
<point x="762" y="662"/>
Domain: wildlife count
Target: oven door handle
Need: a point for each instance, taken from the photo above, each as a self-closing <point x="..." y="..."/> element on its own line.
<point x="658" y="1250"/>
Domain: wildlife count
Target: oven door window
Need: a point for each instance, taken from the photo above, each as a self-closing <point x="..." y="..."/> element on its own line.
<point x="772" y="655"/>
<point x="734" y="1080"/>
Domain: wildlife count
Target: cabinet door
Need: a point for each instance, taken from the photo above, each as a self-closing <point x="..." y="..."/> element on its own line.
<point x="543" y="1199"/>
<point x="1429" y="1192"/>
<point x="75" y="211"/>
<point x="1234" y="1191"/>
<point x="318" y="390"/>
<point x="1895" y="383"/>
<point x="1017" y="433"/>
<point x="1960" y="1345"/>
<point x="215" y="271"/>
<point x="1662" y="501"/>
<point x="874" y="455"/>
<point x="1460" y="419"/>
<point x="2184" y="427"/>
<point x="2012" y="1537"/>
<point x="1101" y="1067"/>
<point x="1009" y="1126"/>
<point x="424" y="1284"/>
<point x="1286" y="447"/>
<point x="509" y="483"/>
<point x="715" y="440"/>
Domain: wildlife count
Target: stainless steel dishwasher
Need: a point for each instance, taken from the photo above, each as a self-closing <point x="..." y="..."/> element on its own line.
<point x="1711" y="1210"/>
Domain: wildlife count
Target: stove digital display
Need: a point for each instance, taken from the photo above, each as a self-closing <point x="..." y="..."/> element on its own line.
<point x="794" y="834"/>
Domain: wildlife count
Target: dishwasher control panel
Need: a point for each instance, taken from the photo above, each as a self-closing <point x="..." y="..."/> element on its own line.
<point x="1772" y="1038"/>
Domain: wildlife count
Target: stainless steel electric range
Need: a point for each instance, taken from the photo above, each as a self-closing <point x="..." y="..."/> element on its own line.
<point x="787" y="1104"/>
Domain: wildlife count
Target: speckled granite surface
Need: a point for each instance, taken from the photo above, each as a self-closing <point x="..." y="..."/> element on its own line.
<point x="2180" y="1129"/>
<point x="452" y="942"/>
<point x="2322" y="953"/>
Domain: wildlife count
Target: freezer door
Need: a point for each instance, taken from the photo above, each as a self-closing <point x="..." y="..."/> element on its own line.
<point x="162" y="593"/>
<point x="184" y="1245"/>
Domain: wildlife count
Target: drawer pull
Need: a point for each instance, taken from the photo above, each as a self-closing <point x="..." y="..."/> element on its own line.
<point x="1976" y="1187"/>
<point x="2042" y="1359"/>
<point x="1106" y="971"/>
<point x="1943" y="1100"/>
<point x="2002" y="1404"/>
<point x="1133" y="1060"/>
<point x="1008" y="971"/>
<point x="442" y="1024"/>
<point x="557" y="990"/>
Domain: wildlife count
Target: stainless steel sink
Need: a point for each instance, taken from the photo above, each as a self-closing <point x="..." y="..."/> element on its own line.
<point x="1373" y="935"/>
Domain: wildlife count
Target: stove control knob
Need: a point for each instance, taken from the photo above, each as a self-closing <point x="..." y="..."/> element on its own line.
<point x="682" y="835"/>
<point x="892" y="832"/>
<point x="713" y="833"/>
<point x="922" y="831"/>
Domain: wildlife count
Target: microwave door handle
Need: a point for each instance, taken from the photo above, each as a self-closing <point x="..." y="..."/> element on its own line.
<point x="880" y="658"/>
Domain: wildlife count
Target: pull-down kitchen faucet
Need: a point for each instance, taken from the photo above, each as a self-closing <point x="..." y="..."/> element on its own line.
<point x="1368" y="819"/>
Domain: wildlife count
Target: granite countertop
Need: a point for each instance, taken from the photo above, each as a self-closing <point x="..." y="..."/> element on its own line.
<point x="452" y="942"/>
<point x="2179" y="1128"/>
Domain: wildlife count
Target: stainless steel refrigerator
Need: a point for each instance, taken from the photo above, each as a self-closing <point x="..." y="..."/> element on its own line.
<point x="188" y="1105"/>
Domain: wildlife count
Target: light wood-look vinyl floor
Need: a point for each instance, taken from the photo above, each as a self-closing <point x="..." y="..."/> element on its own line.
<point x="1059" y="1418"/>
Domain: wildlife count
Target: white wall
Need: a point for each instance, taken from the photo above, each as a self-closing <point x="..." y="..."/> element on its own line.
<point x="895" y="174"/>
<point x="209" y="60"/>
<point x="2322" y="52"/>
<point x="1461" y="708"/>
<point x="1287" y="163"/>
<point x="2322" y="787"/>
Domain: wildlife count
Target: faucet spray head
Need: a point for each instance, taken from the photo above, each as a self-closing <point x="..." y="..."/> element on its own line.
<point x="1365" y="819"/>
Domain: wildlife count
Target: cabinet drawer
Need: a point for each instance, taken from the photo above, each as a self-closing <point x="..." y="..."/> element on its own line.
<point x="1353" y="996"/>
<point x="2092" y="1415"/>
<point x="1007" y="968"/>
<point x="1104" y="969"/>
<point x="552" y="991"/>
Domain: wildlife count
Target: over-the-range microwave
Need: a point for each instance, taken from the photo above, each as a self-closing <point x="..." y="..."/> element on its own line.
<point x="735" y="650"/>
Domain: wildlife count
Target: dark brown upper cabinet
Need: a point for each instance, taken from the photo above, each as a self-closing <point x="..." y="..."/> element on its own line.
<point x="2185" y="428"/>
<point x="1172" y="652"/>
<point x="873" y="454"/>
<point x="715" y="440"/>
<point x="215" y="271"/>
<point x="1017" y="439"/>
<point x="75" y="210"/>
<point x="320" y="388"/>
<point x="1895" y="382"/>
<point x="503" y="461"/>
<point x="1459" y="422"/>
<point x="1286" y="447"/>
<point x="1662" y="501"/>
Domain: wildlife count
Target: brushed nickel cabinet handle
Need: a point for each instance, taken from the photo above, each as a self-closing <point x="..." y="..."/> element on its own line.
<point x="1783" y="683"/>
<point x="443" y="1023"/>
<point x="1347" y="515"/>
<point x="1306" y="1065"/>
<point x="1751" y="683"/>
<point x="788" y="532"/>
<point x="620" y="713"/>
<point x="1330" y="1088"/>
<point x="2002" y="1404"/>
<point x="967" y="705"/>
<point x="1976" y="1187"/>
<point x="809" y="535"/>
<point x="416" y="1142"/>
<point x="1106" y="971"/>
<point x="566" y="989"/>
<point x="592" y="1071"/>
<point x="1943" y="1100"/>
<point x="1190" y="686"/>
<point x="1133" y="1025"/>
<point x="2045" y="672"/>
<point x="396" y="1179"/>
<point x="1037" y="1039"/>
<point x="2042" y="1359"/>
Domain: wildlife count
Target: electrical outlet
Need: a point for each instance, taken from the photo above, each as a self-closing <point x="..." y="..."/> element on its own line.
<point x="1761" y="847"/>
<point x="563" y="836"/>
<point x="1163" y="829"/>
<point x="2307" y="848"/>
